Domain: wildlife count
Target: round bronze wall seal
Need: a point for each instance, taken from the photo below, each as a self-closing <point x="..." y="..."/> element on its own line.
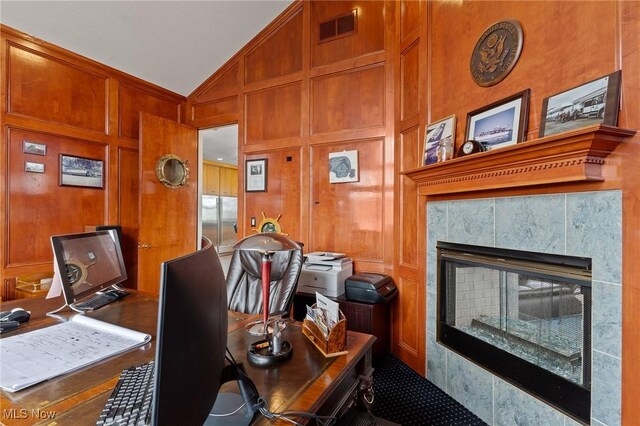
<point x="496" y="53"/>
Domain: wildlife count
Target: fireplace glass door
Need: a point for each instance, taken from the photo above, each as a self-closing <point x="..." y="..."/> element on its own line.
<point x="526" y="312"/>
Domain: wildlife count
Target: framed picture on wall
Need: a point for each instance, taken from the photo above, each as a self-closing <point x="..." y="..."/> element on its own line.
<point x="441" y="131"/>
<point x="500" y="124"/>
<point x="595" y="102"/>
<point x="255" y="175"/>
<point x="343" y="167"/>
<point x="32" y="167"/>
<point x="80" y="171"/>
<point x="34" y="148"/>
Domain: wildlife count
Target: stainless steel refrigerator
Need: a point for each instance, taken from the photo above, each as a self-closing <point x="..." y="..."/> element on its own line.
<point x="219" y="218"/>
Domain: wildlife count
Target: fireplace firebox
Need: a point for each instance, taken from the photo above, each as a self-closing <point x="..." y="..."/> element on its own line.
<point x="525" y="316"/>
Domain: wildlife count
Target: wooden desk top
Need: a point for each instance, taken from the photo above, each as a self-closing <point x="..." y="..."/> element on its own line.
<point x="302" y="384"/>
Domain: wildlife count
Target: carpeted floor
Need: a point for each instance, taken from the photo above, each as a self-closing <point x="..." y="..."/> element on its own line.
<point x="402" y="396"/>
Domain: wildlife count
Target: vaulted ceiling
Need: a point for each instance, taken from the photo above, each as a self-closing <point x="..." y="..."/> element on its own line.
<point x="174" y="44"/>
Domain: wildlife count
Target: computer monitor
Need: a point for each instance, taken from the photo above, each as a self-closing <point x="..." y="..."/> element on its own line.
<point x="191" y="338"/>
<point x="88" y="262"/>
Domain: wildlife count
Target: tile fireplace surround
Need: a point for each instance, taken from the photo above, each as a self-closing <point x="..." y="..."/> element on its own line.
<point x="587" y="224"/>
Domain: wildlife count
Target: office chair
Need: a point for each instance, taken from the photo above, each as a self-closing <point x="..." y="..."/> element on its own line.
<point x="244" y="281"/>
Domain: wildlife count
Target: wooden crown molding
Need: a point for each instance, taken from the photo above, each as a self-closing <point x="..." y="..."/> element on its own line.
<point x="574" y="156"/>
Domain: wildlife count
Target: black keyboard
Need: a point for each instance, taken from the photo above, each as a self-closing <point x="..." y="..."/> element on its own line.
<point x="130" y="401"/>
<point x="100" y="299"/>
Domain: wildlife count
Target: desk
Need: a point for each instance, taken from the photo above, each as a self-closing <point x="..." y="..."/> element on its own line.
<point x="308" y="382"/>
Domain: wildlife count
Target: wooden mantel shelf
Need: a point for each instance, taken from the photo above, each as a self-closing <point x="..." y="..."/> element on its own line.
<point x="574" y="156"/>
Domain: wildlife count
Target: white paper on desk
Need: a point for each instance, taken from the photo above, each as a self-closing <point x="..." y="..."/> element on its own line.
<point x="329" y="306"/>
<point x="43" y="354"/>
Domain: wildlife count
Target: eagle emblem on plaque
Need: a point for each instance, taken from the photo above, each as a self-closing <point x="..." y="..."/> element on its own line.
<point x="496" y="53"/>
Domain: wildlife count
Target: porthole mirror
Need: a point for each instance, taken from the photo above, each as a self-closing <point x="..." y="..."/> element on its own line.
<point x="172" y="171"/>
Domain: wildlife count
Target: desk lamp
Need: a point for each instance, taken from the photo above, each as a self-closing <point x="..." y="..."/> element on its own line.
<point x="270" y="350"/>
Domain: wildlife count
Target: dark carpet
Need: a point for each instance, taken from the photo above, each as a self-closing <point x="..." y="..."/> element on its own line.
<point x="403" y="396"/>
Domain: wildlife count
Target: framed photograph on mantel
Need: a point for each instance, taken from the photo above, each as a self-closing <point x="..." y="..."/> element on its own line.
<point x="500" y="124"/>
<point x="255" y="172"/>
<point x="442" y="131"/>
<point x="595" y="102"/>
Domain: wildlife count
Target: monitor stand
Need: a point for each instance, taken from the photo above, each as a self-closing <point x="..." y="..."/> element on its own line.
<point x="228" y="402"/>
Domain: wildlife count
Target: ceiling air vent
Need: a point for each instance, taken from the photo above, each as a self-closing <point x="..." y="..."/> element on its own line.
<point x="338" y="27"/>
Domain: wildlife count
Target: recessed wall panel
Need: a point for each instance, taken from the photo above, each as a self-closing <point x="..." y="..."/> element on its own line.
<point x="409" y="82"/>
<point x="40" y="207"/>
<point x="367" y="38"/>
<point x="348" y="101"/>
<point x="133" y="100"/>
<point x="348" y="217"/>
<point x="47" y="89"/>
<point x="273" y="113"/>
<point x="285" y="44"/>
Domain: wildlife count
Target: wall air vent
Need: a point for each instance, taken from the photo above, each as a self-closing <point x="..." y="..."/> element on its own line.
<point x="341" y="26"/>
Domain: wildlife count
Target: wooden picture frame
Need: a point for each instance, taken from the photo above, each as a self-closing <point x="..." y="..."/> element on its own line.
<point x="594" y="102"/>
<point x="501" y="123"/>
<point x="255" y="174"/>
<point x="436" y="132"/>
<point x="81" y="171"/>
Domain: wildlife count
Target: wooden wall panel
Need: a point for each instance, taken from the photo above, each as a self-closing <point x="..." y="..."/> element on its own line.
<point x="409" y="82"/>
<point x="349" y="100"/>
<point x="409" y="330"/>
<point x="134" y="100"/>
<point x="128" y="213"/>
<point x="49" y="89"/>
<point x="408" y="200"/>
<point x="410" y="14"/>
<point x="224" y="83"/>
<point x="285" y="43"/>
<point x="630" y="152"/>
<point x="40" y="207"/>
<point x="273" y="113"/>
<point x="222" y="109"/>
<point x="369" y="37"/>
<point x="348" y="217"/>
<point x="569" y="55"/>
<point x="283" y="192"/>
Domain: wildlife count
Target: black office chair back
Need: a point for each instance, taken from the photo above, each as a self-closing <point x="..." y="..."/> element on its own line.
<point x="244" y="281"/>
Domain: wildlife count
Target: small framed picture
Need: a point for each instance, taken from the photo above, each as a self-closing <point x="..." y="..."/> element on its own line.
<point x="343" y="167"/>
<point x="34" y="148"/>
<point x="441" y="131"/>
<point x="80" y="171"/>
<point x="500" y="124"/>
<point x="595" y="102"/>
<point x="32" y="167"/>
<point x="255" y="175"/>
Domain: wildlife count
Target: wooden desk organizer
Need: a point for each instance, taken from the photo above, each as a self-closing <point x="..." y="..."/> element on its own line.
<point x="335" y="344"/>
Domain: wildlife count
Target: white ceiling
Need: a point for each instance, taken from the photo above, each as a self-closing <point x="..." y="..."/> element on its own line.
<point x="175" y="44"/>
<point x="220" y="144"/>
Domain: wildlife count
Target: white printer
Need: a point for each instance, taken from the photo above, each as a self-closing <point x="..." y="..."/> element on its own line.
<point x="325" y="272"/>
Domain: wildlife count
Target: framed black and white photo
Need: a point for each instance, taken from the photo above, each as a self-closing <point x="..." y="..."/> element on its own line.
<point x="80" y="171"/>
<point x="500" y="124"/>
<point x="343" y="167"/>
<point x="32" y="167"/>
<point x="255" y="175"/>
<point x="595" y="102"/>
<point x="441" y="131"/>
<point x="34" y="148"/>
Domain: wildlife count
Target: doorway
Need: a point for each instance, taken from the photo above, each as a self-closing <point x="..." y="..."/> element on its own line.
<point x="218" y="194"/>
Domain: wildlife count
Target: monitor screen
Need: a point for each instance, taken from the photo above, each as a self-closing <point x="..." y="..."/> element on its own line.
<point x="191" y="338"/>
<point x="88" y="262"/>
